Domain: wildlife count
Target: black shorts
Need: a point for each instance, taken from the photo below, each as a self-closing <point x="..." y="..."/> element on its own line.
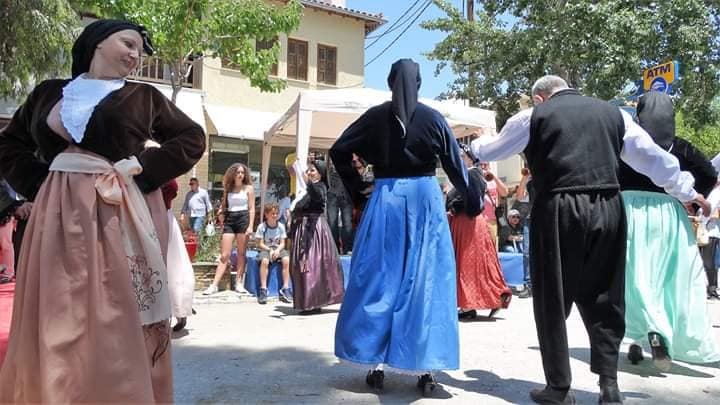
<point x="236" y="222"/>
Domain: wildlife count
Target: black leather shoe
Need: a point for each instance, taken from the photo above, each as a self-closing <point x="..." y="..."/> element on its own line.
<point x="471" y="314"/>
<point x="426" y="383"/>
<point x="313" y="311"/>
<point x="609" y="391"/>
<point x="524" y="293"/>
<point x="180" y="325"/>
<point x="375" y="379"/>
<point x="552" y="396"/>
<point x="661" y="358"/>
<point x="635" y="354"/>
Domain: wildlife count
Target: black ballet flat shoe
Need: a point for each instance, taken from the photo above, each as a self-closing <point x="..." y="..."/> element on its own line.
<point x="426" y="383"/>
<point x="551" y="396"/>
<point x="609" y="391"/>
<point x="635" y="354"/>
<point x="180" y="325"/>
<point x="310" y="311"/>
<point x="661" y="358"/>
<point x="471" y="314"/>
<point x="375" y="379"/>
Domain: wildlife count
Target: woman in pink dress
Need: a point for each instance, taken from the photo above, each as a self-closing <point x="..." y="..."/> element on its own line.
<point x="91" y="311"/>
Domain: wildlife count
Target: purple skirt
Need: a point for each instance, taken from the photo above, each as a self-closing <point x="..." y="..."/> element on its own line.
<point x="314" y="264"/>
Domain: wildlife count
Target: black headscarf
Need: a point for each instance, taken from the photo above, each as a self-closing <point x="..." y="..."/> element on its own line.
<point x="657" y="116"/>
<point x="404" y="81"/>
<point x="467" y="151"/>
<point x="84" y="47"/>
<point x="321" y="167"/>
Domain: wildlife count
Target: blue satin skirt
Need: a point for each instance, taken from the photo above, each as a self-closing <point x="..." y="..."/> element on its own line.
<point x="400" y="306"/>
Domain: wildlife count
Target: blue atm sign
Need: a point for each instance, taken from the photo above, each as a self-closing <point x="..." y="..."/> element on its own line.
<point x="661" y="77"/>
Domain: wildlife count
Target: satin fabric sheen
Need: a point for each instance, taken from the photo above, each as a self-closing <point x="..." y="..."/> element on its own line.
<point x="400" y="303"/>
<point x="76" y="334"/>
<point x="315" y="269"/>
<point x="665" y="279"/>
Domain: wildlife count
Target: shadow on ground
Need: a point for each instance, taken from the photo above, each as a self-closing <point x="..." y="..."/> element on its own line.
<point x="281" y="375"/>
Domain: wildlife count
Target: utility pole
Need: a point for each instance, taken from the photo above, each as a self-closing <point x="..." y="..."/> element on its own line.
<point x="471" y="86"/>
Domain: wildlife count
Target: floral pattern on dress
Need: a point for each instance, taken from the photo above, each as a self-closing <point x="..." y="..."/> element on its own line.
<point x="147" y="282"/>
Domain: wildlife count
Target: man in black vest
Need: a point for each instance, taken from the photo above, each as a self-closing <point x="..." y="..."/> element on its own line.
<point x="573" y="145"/>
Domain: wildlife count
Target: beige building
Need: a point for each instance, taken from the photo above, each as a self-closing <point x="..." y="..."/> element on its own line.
<point x="325" y="52"/>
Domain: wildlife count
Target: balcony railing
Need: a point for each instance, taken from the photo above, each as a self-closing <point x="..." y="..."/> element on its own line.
<point x="153" y="70"/>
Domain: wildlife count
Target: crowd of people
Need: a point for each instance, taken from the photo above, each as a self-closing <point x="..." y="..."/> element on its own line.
<point x="603" y="192"/>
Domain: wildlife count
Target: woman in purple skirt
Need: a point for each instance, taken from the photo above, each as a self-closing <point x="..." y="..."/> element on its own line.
<point x="314" y="262"/>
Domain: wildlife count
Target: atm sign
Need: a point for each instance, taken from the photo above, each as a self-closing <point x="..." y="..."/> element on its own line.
<point x="660" y="77"/>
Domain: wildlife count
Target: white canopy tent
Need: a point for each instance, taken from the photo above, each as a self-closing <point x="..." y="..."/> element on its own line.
<point x="319" y="117"/>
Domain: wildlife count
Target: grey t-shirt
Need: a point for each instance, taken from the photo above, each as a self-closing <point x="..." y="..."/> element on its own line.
<point x="272" y="237"/>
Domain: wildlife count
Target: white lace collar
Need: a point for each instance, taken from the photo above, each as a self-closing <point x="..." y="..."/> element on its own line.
<point x="80" y="97"/>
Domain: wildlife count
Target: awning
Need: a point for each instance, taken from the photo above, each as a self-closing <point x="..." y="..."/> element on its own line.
<point x="242" y="123"/>
<point x="319" y="117"/>
<point x="190" y="101"/>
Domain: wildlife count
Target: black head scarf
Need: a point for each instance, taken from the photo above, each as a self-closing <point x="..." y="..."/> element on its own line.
<point x="321" y="167"/>
<point x="404" y="81"/>
<point x="657" y="116"/>
<point x="84" y="47"/>
<point x="467" y="151"/>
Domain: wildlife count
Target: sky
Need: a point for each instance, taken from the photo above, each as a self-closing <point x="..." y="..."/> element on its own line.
<point x="413" y="44"/>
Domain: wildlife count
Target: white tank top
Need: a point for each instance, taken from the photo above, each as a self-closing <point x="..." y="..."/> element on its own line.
<point x="237" y="201"/>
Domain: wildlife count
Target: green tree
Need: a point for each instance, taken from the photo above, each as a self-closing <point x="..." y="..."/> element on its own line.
<point x="707" y="138"/>
<point x="185" y="29"/>
<point x="597" y="46"/>
<point x="35" y="40"/>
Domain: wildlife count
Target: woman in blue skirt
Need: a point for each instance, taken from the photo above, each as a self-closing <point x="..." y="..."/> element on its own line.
<point x="400" y="303"/>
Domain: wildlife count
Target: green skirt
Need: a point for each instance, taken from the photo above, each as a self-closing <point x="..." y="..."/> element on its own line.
<point x="665" y="279"/>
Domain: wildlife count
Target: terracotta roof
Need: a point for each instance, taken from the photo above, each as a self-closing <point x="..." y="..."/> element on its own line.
<point x="372" y="21"/>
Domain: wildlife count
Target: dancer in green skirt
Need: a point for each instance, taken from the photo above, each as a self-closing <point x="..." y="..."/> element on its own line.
<point x="665" y="279"/>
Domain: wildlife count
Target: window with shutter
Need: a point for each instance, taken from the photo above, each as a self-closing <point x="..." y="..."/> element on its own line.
<point x="297" y="60"/>
<point x="327" y="64"/>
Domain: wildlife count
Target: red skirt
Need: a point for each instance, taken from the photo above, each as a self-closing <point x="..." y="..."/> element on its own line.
<point x="480" y="282"/>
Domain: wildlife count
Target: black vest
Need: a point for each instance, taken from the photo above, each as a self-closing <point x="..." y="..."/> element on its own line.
<point x="574" y="144"/>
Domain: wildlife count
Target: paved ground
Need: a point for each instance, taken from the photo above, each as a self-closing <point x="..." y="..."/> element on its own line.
<point x="236" y="351"/>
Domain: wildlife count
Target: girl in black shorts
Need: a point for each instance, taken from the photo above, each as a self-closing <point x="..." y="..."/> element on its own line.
<point x="237" y="215"/>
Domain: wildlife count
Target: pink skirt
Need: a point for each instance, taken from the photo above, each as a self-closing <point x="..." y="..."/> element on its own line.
<point x="76" y="334"/>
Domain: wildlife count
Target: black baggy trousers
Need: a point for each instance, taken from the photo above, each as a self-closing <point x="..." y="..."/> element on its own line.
<point x="577" y="255"/>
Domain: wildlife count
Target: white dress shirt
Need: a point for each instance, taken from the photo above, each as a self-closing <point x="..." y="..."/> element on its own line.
<point x="639" y="151"/>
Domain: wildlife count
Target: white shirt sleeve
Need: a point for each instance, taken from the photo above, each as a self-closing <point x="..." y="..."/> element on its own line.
<point x="260" y="231"/>
<point x="512" y="139"/>
<point x="642" y="154"/>
<point x="301" y="188"/>
<point x="714" y="200"/>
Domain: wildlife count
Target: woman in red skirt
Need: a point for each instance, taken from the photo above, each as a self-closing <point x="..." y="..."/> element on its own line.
<point x="480" y="282"/>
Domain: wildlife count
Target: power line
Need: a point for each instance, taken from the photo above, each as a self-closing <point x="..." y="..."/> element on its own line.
<point x="401" y="34"/>
<point x="395" y="25"/>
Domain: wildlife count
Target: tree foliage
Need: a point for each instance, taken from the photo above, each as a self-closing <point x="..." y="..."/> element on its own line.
<point x="707" y="138"/>
<point x="597" y="46"/>
<point x="185" y="29"/>
<point x="35" y="40"/>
